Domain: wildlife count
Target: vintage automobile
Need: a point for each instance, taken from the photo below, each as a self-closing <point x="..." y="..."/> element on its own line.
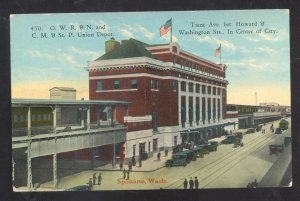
<point x="200" y="150"/>
<point x="250" y="130"/>
<point x="276" y="148"/>
<point x="259" y="127"/>
<point x="178" y="159"/>
<point x="278" y="131"/>
<point x="228" y="140"/>
<point x="190" y="155"/>
<point x="238" y="142"/>
<point x="212" y="146"/>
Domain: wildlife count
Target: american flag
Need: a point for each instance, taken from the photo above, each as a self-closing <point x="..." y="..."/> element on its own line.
<point x="166" y="27"/>
<point x="218" y="51"/>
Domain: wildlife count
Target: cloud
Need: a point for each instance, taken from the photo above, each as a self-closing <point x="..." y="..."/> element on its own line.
<point x="266" y="50"/>
<point x="67" y="58"/>
<point x="226" y="45"/>
<point x="262" y="64"/>
<point x="88" y="54"/>
<point x="167" y="38"/>
<point x="126" y="33"/>
<point x="40" y="54"/>
<point x="144" y="31"/>
<point x="57" y="56"/>
<point x="131" y="30"/>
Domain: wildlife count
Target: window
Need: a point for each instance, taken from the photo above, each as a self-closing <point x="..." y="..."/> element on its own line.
<point x="203" y="89"/>
<point x="154" y="84"/>
<point x="214" y="90"/>
<point x="219" y="91"/>
<point x="99" y="85"/>
<point x="33" y="117"/>
<point x="174" y="85"/>
<point x="197" y="88"/>
<point x="191" y="85"/>
<point x="183" y="86"/>
<point x="208" y="89"/>
<point x="116" y="84"/>
<point x="134" y="84"/>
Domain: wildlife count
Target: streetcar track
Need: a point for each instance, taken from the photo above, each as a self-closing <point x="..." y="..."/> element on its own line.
<point x="235" y="162"/>
<point x="213" y="170"/>
<point x="263" y="140"/>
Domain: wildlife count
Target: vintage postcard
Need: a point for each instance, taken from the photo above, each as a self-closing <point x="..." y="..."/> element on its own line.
<point x="150" y="100"/>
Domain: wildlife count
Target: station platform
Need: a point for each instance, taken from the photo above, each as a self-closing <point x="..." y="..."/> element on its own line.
<point x="148" y="165"/>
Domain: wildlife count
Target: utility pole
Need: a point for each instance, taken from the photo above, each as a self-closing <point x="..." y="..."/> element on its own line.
<point x="255" y="98"/>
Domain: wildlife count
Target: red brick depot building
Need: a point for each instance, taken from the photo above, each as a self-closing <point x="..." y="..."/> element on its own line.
<point x="176" y="97"/>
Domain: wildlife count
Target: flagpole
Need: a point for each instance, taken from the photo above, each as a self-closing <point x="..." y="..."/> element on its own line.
<point x="220" y="54"/>
<point x="171" y="29"/>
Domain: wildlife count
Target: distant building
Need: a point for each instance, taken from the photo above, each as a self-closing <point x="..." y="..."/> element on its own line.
<point x="252" y="115"/>
<point x="176" y="96"/>
<point x="269" y="104"/>
<point x="275" y="107"/>
<point x="63" y="93"/>
<point x="70" y="114"/>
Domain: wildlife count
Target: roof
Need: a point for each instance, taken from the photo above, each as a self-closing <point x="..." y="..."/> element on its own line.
<point x="63" y="88"/>
<point x="52" y="102"/>
<point x="128" y="49"/>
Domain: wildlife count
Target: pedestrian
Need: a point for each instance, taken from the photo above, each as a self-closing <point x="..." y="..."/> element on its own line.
<point x="140" y="162"/>
<point x="130" y="166"/>
<point x="133" y="160"/>
<point x="124" y="173"/>
<point x="191" y="182"/>
<point x="185" y="183"/>
<point x="166" y="152"/>
<point x="196" y="183"/>
<point x="90" y="183"/>
<point x="99" y="179"/>
<point x="128" y="174"/>
<point x="121" y="165"/>
<point x="94" y="179"/>
<point x="158" y="156"/>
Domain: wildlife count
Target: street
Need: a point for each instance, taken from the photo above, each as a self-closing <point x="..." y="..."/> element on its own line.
<point x="228" y="167"/>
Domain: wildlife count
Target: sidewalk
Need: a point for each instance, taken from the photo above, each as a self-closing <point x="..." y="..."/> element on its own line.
<point x="149" y="165"/>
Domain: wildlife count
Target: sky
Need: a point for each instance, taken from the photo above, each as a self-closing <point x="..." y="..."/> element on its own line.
<point x="256" y="51"/>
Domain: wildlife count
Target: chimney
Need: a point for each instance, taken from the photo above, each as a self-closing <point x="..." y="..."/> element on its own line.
<point x="111" y="44"/>
<point x="123" y="42"/>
